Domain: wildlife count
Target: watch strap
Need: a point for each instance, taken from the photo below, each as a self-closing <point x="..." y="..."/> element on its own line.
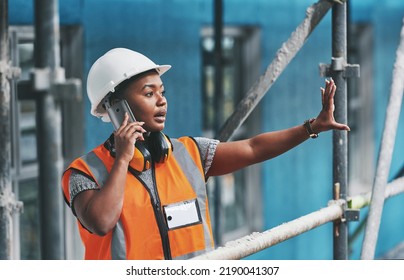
<point x="307" y="126"/>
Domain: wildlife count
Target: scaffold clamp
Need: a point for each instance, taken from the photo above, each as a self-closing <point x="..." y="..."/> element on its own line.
<point x="9" y="71"/>
<point x="339" y="64"/>
<point x="9" y="202"/>
<point x="350" y="215"/>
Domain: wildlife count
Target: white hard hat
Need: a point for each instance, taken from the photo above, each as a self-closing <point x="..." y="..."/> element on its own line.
<point x="110" y="70"/>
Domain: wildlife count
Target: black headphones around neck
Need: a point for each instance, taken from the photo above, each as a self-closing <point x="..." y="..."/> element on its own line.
<point x="156" y="148"/>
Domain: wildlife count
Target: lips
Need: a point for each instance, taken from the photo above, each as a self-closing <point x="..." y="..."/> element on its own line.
<point x="160" y="116"/>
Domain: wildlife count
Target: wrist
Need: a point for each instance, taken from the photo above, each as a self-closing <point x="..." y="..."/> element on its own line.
<point x="311" y="128"/>
<point x="122" y="162"/>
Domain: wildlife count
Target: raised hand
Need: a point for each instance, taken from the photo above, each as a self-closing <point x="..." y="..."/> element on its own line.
<point x="325" y="119"/>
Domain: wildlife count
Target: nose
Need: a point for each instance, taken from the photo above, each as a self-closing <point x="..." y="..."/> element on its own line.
<point x="161" y="99"/>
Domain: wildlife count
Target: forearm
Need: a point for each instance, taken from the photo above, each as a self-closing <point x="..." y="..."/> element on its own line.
<point x="232" y="156"/>
<point x="102" y="208"/>
<point x="272" y="144"/>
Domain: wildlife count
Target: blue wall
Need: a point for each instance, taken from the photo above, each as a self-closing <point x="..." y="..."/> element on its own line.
<point x="168" y="32"/>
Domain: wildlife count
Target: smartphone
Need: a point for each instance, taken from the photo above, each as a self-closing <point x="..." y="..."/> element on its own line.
<point x="117" y="112"/>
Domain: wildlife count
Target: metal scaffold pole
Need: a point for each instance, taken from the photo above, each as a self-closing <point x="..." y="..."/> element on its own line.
<point x="385" y="154"/>
<point x="340" y="138"/>
<point x="218" y="35"/>
<point x="5" y="144"/>
<point x="49" y="133"/>
<point x="340" y="70"/>
<point x="8" y="203"/>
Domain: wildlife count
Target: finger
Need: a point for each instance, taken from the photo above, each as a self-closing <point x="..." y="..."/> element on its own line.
<point x="136" y="136"/>
<point x="123" y="124"/>
<point x="326" y="91"/>
<point x="322" y="95"/>
<point x="341" y="126"/>
<point x="136" y="126"/>
<point x="333" y="88"/>
<point x="330" y="98"/>
<point x="131" y="127"/>
<point x="328" y="84"/>
<point x="125" y="119"/>
<point x="133" y="134"/>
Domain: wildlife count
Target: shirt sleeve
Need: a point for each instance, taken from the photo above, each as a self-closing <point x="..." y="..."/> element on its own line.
<point x="79" y="183"/>
<point x="207" y="148"/>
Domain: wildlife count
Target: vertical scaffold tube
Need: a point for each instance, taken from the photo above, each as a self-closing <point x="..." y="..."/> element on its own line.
<point x="385" y="154"/>
<point x="49" y="132"/>
<point x="5" y="135"/>
<point x="340" y="138"/>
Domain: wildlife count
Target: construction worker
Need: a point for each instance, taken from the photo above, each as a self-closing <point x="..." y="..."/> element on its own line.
<point x="140" y="194"/>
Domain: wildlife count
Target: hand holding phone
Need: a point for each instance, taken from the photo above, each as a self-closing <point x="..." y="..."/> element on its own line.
<point x="117" y="112"/>
<point x="141" y="159"/>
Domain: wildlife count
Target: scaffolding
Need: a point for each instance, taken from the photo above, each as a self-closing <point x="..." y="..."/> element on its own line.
<point x="341" y="210"/>
<point x="48" y="87"/>
<point x="8" y="203"/>
<point x="339" y="70"/>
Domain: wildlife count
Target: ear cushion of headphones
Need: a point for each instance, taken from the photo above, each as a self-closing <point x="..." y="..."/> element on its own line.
<point x="141" y="160"/>
<point x="160" y="146"/>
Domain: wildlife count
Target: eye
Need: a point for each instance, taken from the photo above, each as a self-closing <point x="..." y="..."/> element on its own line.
<point x="149" y="94"/>
<point x="163" y="93"/>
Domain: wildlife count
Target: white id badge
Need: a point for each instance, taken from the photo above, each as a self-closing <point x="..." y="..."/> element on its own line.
<point x="182" y="214"/>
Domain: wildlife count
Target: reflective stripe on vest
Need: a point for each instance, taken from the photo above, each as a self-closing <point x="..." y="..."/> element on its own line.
<point x="97" y="167"/>
<point x="100" y="174"/>
<point x="118" y="244"/>
<point x="184" y="159"/>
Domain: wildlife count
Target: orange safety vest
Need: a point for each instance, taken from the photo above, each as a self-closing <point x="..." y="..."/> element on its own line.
<point x="142" y="231"/>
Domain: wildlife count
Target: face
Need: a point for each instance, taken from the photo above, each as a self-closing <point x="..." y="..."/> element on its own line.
<point x="146" y="98"/>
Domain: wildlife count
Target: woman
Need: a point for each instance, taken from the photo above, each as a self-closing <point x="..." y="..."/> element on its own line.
<point x="141" y="195"/>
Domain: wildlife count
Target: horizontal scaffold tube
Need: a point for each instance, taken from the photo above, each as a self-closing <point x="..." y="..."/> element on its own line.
<point x="255" y="242"/>
<point x="393" y="188"/>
